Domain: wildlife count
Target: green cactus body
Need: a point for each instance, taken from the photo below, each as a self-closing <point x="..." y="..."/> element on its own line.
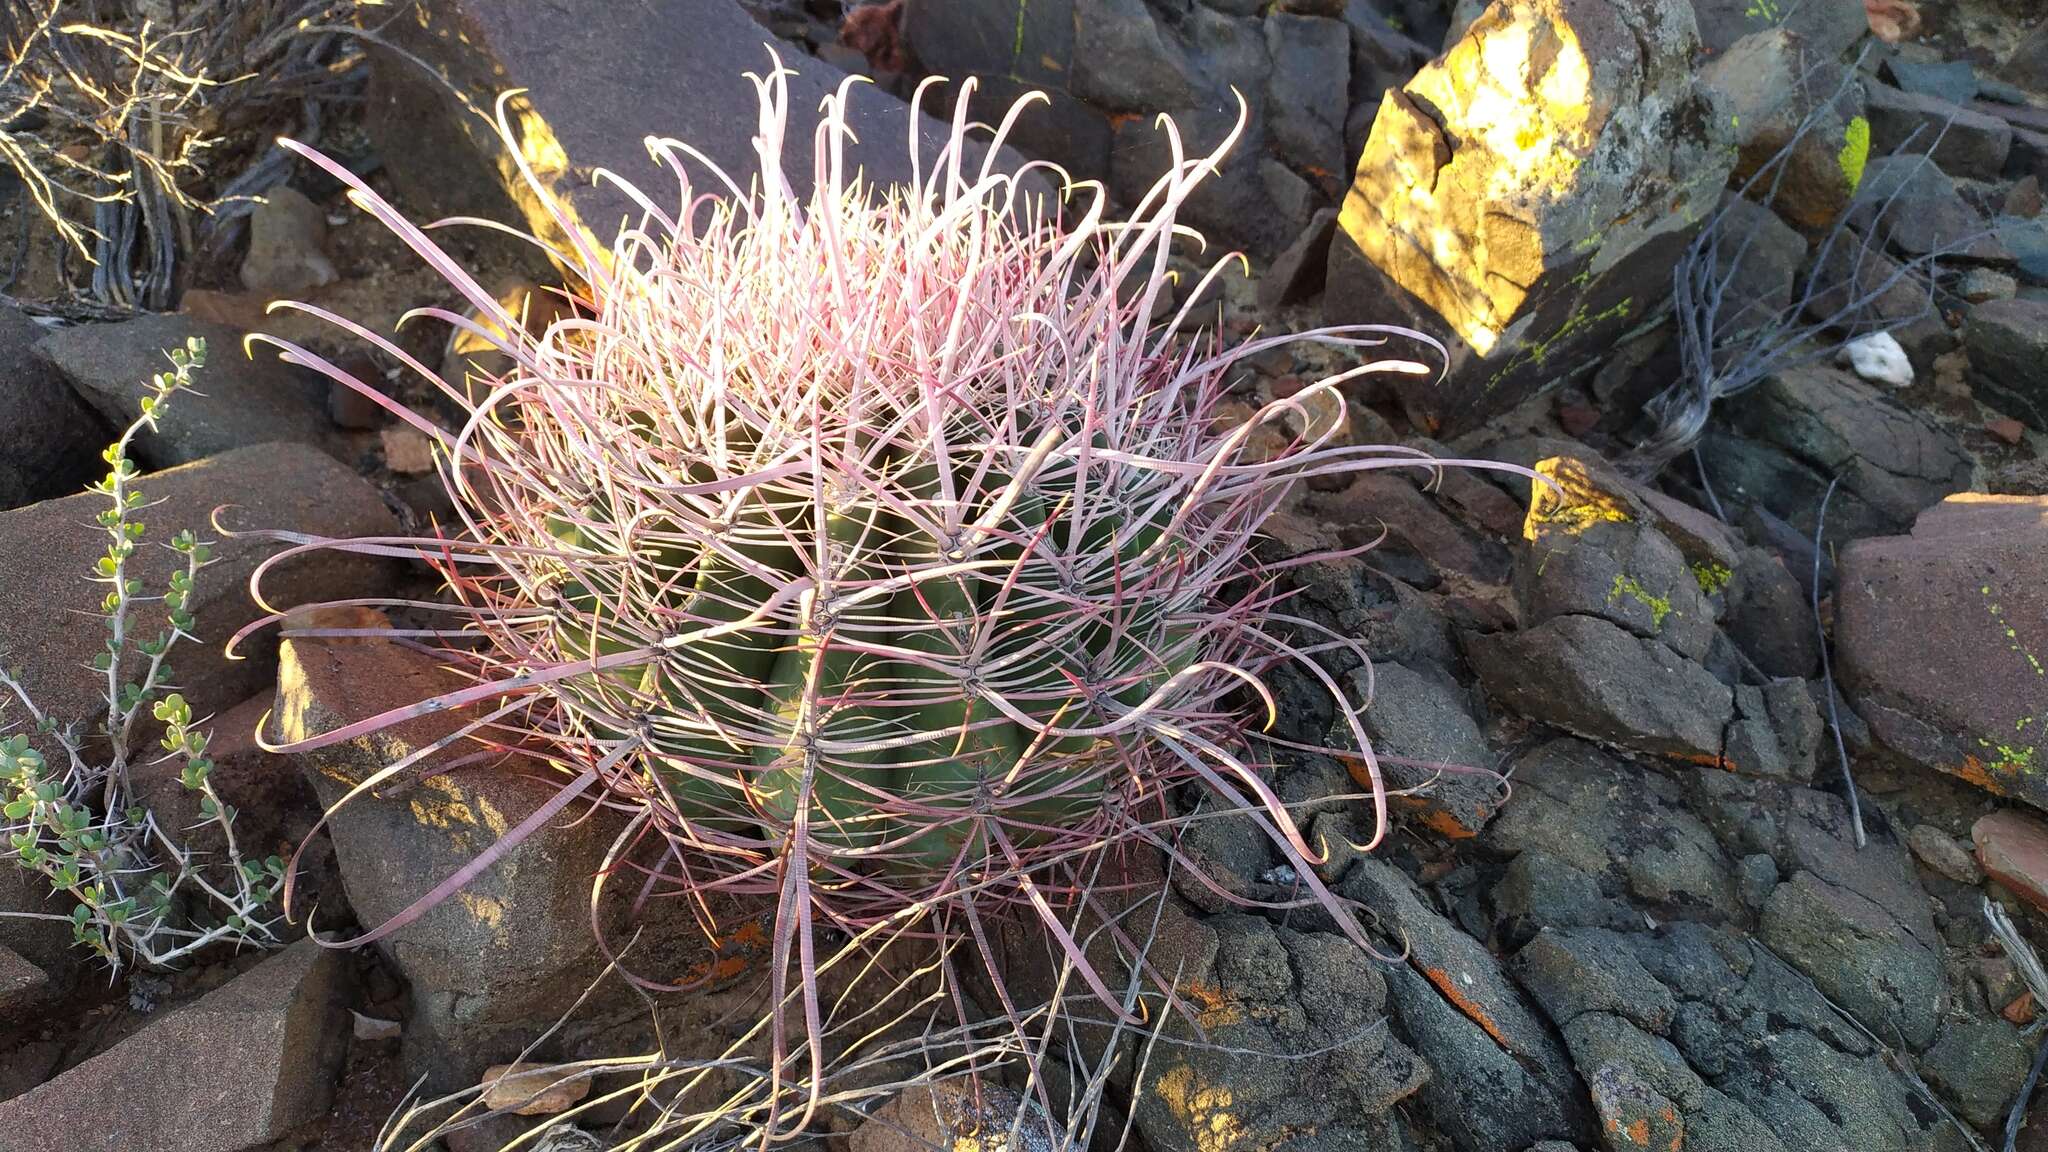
<point x="971" y="746"/>
<point x="814" y="696"/>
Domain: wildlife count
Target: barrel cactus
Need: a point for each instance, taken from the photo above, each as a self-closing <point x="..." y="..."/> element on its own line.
<point x="874" y="546"/>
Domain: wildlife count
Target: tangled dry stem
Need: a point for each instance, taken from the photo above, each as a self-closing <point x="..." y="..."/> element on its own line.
<point x="108" y="116"/>
<point x="1729" y="340"/>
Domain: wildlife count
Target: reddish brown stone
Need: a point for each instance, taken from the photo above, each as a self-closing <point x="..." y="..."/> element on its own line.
<point x="2013" y="849"/>
<point x="497" y="962"/>
<point x="1577" y="419"/>
<point x="47" y="551"/>
<point x="1943" y="641"/>
<point x="242" y="1066"/>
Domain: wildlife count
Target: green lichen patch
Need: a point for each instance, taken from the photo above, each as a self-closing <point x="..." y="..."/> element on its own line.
<point x="1629" y="586"/>
<point x="1711" y="578"/>
<point x="1855" y="153"/>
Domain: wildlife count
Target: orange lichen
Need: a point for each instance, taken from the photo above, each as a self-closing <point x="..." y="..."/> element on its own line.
<point x="1446" y="825"/>
<point x="1448" y="988"/>
<point x="1433" y="816"/>
<point x="1974" y="771"/>
<point x="733" y="955"/>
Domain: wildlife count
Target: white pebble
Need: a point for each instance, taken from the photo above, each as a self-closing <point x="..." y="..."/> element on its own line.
<point x="1877" y="358"/>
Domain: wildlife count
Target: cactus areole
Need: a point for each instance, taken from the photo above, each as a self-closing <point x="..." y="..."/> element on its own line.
<point x="876" y="550"/>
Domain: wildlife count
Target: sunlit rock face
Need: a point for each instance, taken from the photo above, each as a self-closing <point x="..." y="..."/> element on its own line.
<point x="1524" y="196"/>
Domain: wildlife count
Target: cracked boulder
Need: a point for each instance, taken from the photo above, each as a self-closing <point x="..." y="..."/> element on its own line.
<point x="1252" y="989"/>
<point x="1943" y="641"/>
<point x="1500" y="1079"/>
<point x="1618" y="640"/>
<point x="495" y="963"/>
<point x="1857" y="955"/>
<point x="1649" y="1098"/>
<point x="1523" y="196"/>
<point x="1618" y="632"/>
<point x="1426" y="741"/>
<point x="1775" y="733"/>
<point x="1593" y="678"/>
<point x="1601" y="837"/>
<point x="1779" y="447"/>
<point x="1593" y="553"/>
<point x="1762" y="1036"/>
<point x="1766" y="614"/>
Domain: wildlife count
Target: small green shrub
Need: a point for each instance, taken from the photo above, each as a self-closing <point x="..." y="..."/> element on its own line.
<point x="138" y="894"/>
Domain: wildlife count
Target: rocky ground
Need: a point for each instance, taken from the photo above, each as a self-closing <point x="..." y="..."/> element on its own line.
<point x="1634" y="901"/>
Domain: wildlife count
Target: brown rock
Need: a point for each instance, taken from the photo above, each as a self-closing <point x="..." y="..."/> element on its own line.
<point x="22" y="984"/>
<point x="1940" y="852"/>
<point x="1941" y="636"/>
<point x="1577" y="419"/>
<point x="2007" y="340"/>
<point x="1529" y="242"/>
<point x="47" y="944"/>
<point x="2024" y="198"/>
<point x="497" y="962"/>
<point x="287" y="239"/>
<point x="52" y="443"/>
<point x="236" y="401"/>
<point x="532" y="1089"/>
<point x="2012" y="847"/>
<point x="2006" y="429"/>
<point x="1413" y="522"/>
<point x="242" y="1066"/>
<point x="47" y="551"/>
<point x="959" y="1116"/>
<point x="241" y="310"/>
<point x="1782" y="91"/>
<point x="1962" y="142"/>
<point x="407" y="451"/>
<point x="1952" y="373"/>
<point x="640" y="71"/>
